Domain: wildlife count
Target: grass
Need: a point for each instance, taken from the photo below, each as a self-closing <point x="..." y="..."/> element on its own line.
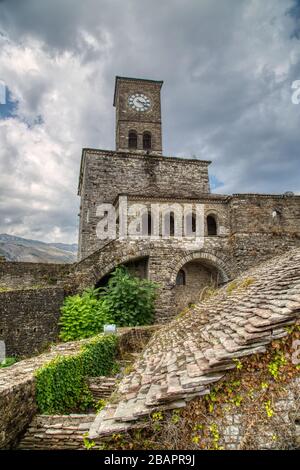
<point x="9" y="361"/>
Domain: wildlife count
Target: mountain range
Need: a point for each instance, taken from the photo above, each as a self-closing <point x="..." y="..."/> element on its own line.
<point x="22" y="249"/>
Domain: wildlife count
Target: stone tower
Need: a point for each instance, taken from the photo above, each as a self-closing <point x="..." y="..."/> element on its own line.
<point x="138" y="115"/>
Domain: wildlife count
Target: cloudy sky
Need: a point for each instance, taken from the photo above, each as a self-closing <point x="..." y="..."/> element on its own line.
<point x="228" y="67"/>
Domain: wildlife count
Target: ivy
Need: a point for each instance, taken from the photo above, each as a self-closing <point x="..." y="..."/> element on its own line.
<point x="61" y="385"/>
<point x="276" y="364"/>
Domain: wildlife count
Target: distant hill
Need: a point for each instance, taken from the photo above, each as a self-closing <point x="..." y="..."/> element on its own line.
<point x="22" y="249"/>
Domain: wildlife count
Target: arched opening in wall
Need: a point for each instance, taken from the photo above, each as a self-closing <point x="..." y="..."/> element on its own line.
<point x="147" y="224"/>
<point x="169" y="224"/>
<point x="147" y="141"/>
<point x="193" y="280"/>
<point x="180" y="278"/>
<point x="190" y="224"/>
<point x="103" y="281"/>
<point x="132" y="140"/>
<point x="211" y="225"/>
<point x="137" y="267"/>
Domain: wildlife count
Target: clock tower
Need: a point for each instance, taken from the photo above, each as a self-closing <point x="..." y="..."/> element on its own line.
<point x="138" y="115"/>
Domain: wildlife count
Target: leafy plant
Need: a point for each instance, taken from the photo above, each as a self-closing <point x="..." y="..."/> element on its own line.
<point x="126" y="301"/>
<point x="88" y="444"/>
<point x="61" y="385"/>
<point x="275" y="365"/>
<point x="82" y="316"/>
<point x="8" y="361"/>
<point x="100" y="404"/>
<point x="268" y="408"/>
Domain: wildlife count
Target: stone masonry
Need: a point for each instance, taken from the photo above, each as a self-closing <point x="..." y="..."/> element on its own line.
<point x="185" y="358"/>
<point x="248" y="228"/>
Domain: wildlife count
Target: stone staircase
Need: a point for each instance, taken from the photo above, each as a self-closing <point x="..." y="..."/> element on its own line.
<point x="67" y="432"/>
<point x="101" y="387"/>
<point x="57" y="432"/>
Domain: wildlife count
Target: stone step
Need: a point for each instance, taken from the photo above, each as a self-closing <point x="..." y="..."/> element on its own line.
<point x="101" y="387"/>
<point x="57" y="432"/>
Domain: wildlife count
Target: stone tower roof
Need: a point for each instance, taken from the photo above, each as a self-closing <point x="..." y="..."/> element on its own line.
<point x="186" y="357"/>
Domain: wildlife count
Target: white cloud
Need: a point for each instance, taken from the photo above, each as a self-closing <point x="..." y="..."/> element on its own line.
<point x="227" y="67"/>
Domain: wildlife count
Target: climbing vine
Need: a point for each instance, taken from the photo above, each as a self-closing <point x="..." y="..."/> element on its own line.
<point x="61" y="385"/>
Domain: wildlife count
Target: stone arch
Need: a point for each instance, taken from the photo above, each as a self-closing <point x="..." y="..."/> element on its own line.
<point x="98" y="272"/>
<point x="206" y="257"/>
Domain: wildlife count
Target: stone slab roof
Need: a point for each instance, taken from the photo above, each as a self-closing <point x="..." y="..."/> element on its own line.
<point x="186" y="357"/>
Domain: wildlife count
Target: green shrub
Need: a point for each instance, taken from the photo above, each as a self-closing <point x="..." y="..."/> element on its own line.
<point x="61" y="386"/>
<point x="82" y="316"/>
<point x="126" y="301"/>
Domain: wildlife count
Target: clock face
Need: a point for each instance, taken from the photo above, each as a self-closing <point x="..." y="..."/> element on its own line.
<point x="139" y="102"/>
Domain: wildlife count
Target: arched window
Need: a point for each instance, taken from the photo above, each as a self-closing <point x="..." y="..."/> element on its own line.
<point x="132" y="140"/>
<point x="180" y="278"/>
<point x="147" y="223"/>
<point x="211" y="226"/>
<point x="190" y="224"/>
<point x="147" y="141"/>
<point x="169" y="224"/>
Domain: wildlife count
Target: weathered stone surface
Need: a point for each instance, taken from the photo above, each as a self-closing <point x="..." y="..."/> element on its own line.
<point x="17" y="384"/>
<point x="183" y="357"/>
<point x="56" y="432"/>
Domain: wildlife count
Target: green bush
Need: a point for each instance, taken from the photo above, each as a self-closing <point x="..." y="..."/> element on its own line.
<point x="61" y="386"/>
<point x="82" y="316"/>
<point x="126" y="301"/>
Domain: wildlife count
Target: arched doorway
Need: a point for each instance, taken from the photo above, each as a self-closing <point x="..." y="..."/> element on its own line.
<point x="137" y="267"/>
<point x="192" y="278"/>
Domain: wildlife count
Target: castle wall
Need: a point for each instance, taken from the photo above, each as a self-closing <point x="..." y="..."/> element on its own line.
<point x="20" y="274"/>
<point x="257" y="234"/>
<point x="29" y="319"/>
<point x="256" y="214"/>
<point x="106" y="174"/>
<point x="197" y="277"/>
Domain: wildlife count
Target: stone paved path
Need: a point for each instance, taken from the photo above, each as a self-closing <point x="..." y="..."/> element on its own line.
<point x="184" y="358"/>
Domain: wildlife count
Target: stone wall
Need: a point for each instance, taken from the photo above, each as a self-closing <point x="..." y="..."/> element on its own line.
<point x="258" y="213"/>
<point x="17" y="392"/>
<point x="280" y="432"/>
<point x="17" y="382"/>
<point x="197" y="277"/>
<point x="57" y="432"/>
<point x="29" y="319"/>
<point x="105" y="174"/>
<point x="17" y="274"/>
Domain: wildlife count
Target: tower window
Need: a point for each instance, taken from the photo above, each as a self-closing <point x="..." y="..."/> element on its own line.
<point x="180" y="279"/>
<point x="147" y="224"/>
<point x="132" y="140"/>
<point x="169" y="224"/>
<point x="191" y="224"/>
<point x="211" y="226"/>
<point x="147" y="141"/>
